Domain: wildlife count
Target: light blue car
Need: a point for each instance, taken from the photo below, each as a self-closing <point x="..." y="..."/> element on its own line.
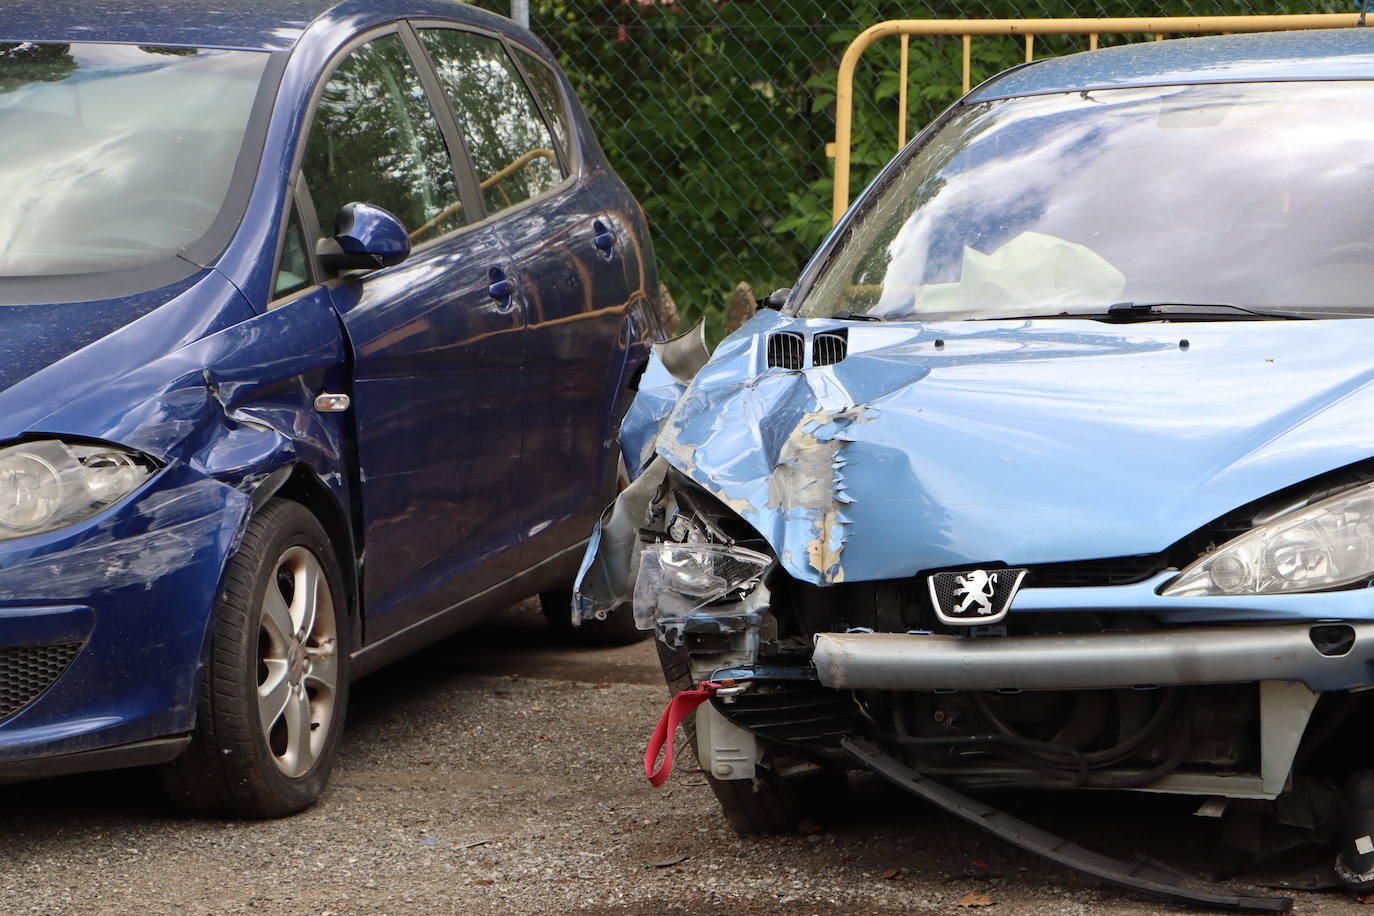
<point x="1055" y="469"/>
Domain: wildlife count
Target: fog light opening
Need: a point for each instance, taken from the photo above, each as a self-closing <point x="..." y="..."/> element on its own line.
<point x="1333" y="639"/>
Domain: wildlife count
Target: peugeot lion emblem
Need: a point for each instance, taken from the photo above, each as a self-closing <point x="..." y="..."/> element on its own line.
<point x="973" y="597"/>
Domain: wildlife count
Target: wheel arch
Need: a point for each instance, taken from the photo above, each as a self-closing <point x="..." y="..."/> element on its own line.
<point x="301" y="484"/>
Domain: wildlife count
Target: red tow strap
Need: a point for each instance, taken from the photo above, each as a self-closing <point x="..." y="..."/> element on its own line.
<point x="662" y="739"/>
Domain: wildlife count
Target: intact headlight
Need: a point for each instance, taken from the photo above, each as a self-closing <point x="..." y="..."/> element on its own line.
<point x="677" y="579"/>
<point x="47" y="484"/>
<point x="1326" y="545"/>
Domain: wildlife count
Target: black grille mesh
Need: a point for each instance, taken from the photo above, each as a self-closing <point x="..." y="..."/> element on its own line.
<point x="829" y="347"/>
<point x="1089" y="573"/>
<point x="786" y="350"/>
<point x="795" y="713"/>
<point x="27" y="671"/>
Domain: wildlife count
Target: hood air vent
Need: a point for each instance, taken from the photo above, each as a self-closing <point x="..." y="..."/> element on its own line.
<point x="829" y="347"/>
<point x="786" y="350"/>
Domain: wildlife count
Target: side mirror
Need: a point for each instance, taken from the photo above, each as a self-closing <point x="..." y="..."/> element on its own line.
<point x="775" y="299"/>
<point x="365" y="238"/>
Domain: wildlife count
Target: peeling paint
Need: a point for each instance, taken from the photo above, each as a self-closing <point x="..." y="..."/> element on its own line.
<point x="808" y="484"/>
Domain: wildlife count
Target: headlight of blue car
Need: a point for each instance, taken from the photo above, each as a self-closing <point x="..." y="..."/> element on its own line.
<point x="1326" y="545"/>
<point x="47" y="484"/>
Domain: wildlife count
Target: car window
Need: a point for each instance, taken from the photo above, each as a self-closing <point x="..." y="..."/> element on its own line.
<point x="293" y="273"/>
<point x="545" y="87"/>
<point x="375" y="140"/>
<point x="511" y="147"/>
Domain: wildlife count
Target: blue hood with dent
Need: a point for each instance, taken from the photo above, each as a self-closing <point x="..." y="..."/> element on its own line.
<point x="935" y="445"/>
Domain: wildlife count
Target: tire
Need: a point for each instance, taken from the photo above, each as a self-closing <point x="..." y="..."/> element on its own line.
<point x="770" y="802"/>
<point x="272" y="703"/>
<point x="618" y="629"/>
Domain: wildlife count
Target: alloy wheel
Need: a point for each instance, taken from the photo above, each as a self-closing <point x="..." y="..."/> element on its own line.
<point x="298" y="663"/>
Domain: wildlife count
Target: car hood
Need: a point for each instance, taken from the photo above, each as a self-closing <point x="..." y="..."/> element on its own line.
<point x="50" y="355"/>
<point x="934" y="445"/>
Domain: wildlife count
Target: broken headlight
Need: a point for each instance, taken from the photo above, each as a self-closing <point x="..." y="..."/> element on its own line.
<point x="47" y="484"/>
<point x="679" y="579"/>
<point x="1325" y="545"/>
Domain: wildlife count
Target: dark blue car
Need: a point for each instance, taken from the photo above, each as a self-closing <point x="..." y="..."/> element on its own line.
<point x="315" y="328"/>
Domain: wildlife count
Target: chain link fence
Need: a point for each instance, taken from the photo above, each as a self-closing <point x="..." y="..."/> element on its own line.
<point x="716" y="114"/>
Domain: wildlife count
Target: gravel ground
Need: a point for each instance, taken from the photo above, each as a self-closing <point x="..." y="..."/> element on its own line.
<point x="499" y="773"/>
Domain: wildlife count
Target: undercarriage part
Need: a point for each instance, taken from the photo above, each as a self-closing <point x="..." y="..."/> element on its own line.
<point x="785" y="790"/>
<point x="1234" y="741"/>
<point x="1057" y="764"/>
<point x="1355" y="864"/>
<point x="725" y="750"/>
<point x="1088" y="661"/>
<point x="1145" y="876"/>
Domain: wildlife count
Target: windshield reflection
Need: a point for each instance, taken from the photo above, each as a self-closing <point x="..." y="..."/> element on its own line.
<point x="1258" y="195"/>
<point x="116" y="156"/>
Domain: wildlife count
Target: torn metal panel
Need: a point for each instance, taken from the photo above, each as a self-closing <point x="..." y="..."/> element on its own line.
<point x="669" y="371"/>
<point x="658" y="392"/>
<point x="607" y="577"/>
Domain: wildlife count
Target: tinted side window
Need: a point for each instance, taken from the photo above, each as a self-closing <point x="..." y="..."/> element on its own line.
<point x="545" y="87"/>
<point x="375" y="140"/>
<point x="293" y="273"/>
<point x="511" y="148"/>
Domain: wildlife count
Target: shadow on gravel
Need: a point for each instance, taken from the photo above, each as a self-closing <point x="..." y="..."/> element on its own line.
<point x="517" y="641"/>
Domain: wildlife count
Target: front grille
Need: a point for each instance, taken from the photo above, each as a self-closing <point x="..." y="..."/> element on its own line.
<point x="829" y="347"/>
<point x="804" y="714"/>
<point x="786" y="350"/>
<point x="1089" y="573"/>
<point x="27" y="671"/>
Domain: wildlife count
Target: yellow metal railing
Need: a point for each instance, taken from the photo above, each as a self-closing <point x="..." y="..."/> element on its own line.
<point x="967" y="28"/>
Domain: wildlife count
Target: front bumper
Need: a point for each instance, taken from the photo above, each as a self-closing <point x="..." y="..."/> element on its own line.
<point x="1093" y="661"/>
<point x="130" y="593"/>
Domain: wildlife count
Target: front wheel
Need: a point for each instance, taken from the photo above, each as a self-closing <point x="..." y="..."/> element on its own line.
<point x="273" y="694"/>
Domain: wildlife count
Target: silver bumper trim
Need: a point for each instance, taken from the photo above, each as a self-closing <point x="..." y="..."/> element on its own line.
<point x="1195" y="655"/>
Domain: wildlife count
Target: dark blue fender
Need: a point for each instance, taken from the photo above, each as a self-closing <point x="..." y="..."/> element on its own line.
<point x="226" y="424"/>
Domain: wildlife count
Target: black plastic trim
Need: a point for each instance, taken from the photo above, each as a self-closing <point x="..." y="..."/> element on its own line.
<point x="140" y="753"/>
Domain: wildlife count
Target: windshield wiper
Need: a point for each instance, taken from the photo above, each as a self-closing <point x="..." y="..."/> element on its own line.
<point x="1126" y="312"/>
<point x="855" y="316"/>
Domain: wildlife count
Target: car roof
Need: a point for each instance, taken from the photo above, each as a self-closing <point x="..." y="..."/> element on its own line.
<point x="1323" y="54"/>
<point x="272" y="25"/>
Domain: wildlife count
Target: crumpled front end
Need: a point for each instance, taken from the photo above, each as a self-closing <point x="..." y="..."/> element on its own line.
<point x="785" y="535"/>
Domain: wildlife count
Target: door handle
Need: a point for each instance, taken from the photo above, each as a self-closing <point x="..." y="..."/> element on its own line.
<point x="605" y="238"/>
<point x="501" y="287"/>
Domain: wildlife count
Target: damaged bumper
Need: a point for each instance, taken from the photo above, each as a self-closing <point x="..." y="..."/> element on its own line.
<point x="103" y="639"/>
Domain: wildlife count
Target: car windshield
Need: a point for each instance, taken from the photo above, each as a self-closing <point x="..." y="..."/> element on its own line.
<point x="1254" y="195"/>
<point x="115" y="156"/>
